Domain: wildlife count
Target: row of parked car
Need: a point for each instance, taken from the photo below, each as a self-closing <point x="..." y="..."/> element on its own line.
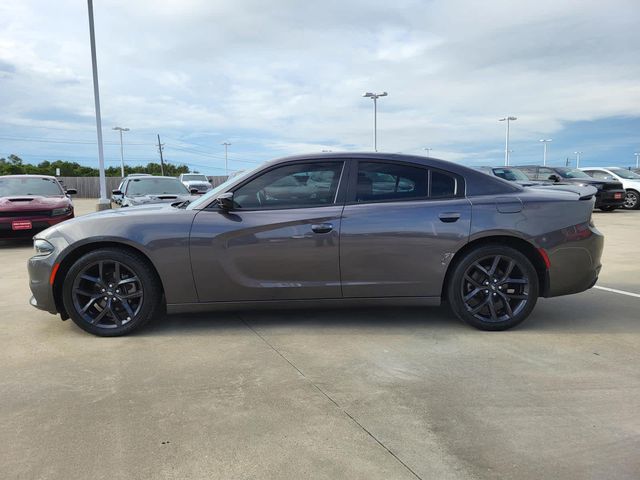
<point x="617" y="187"/>
<point x="30" y="203"/>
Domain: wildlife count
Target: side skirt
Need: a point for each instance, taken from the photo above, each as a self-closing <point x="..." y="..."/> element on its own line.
<point x="293" y="304"/>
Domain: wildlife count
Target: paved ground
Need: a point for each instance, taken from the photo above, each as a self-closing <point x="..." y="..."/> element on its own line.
<point x="371" y="394"/>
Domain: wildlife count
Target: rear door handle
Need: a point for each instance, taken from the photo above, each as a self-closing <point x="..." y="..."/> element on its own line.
<point x="322" y="227"/>
<point x="449" y="217"/>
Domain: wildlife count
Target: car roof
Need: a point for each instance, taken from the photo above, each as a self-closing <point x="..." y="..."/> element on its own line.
<point x="29" y="175"/>
<point x="151" y="177"/>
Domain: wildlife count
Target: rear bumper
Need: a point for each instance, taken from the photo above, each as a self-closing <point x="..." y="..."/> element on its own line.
<point x="575" y="262"/>
<point x="607" y="198"/>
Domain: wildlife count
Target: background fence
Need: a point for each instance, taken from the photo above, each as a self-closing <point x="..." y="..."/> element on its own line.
<point x="89" y="187"/>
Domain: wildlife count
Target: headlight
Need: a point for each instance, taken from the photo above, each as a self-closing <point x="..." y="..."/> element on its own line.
<point x="42" y="247"/>
<point x="61" y="211"/>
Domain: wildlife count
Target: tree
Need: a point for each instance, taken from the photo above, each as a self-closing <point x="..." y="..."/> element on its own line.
<point x="14" y="165"/>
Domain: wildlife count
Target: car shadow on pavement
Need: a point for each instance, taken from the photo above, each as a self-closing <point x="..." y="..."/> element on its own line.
<point x="16" y="243"/>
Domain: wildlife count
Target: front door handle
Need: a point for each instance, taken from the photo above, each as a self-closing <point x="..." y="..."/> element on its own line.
<point x="322" y="227"/>
<point x="449" y="217"/>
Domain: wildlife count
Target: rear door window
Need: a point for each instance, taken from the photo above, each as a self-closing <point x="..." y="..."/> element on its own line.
<point x="378" y="181"/>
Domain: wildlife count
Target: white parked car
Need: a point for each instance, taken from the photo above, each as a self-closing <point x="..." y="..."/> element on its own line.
<point x="630" y="182"/>
<point x="195" y="181"/>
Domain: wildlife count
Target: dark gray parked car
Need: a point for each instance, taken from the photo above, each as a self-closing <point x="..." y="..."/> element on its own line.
<point x="327" y="229"/>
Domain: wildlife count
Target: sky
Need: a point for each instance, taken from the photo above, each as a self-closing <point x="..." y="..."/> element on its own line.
<point x="287" y="77"/>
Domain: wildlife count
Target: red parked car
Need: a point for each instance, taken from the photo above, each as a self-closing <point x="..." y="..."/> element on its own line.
<point x="30" y="203"/>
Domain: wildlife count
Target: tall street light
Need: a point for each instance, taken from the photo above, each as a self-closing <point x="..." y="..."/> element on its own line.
<point x="506" y="144"/>
<point x="103" y="202"/>
<point x="544" y="152"/>
<point x="637" y="159"/>
<point x="120" y="129"/>
<point x="577" y="159"/>
<point x="226" y="157"/>
<point x="427" y="150"/>
<point x="375" y="97"/>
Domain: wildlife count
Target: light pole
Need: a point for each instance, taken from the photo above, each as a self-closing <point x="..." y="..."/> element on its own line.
<point x="577" y="159"/>
<point x="506" y="144"/>
<point x="544" y="152"/>
<point x="375" y="97"/>
<point x="103" y="202"/>
<point x="637" y="160"/>
<point x="120" y="129"/>
<point x="427" y="150"/>
<point x="226" y="157"/>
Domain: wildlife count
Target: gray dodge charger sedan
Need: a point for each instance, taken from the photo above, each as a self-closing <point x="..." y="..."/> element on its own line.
<point x="325" y="230"/>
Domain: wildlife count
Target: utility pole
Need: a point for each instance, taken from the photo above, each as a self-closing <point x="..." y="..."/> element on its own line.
<point x="226" y="157"/>
<point x="375" y="97"/>
<point x="120" y="129"/>
<point x="103" y="202"/>
<point x="506" y="143"/>
<point x="544" y="151"/>
<point x="160" y="147"/>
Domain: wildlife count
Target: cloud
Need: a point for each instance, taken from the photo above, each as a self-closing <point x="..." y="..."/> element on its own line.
<point x="290" y="74"/>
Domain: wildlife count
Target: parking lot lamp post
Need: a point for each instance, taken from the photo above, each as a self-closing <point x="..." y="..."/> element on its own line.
<point x="226" y="157"/>
<point x="506" y="144"/>
<point x="428" y="150"/>
<point x="120" y="129"/>
<point x="103" y="203"/>
<point x="577" y="159"/>
<point x="544" y="151"/>
<point x="375" y="97"/>
<point x="637" y="159"/>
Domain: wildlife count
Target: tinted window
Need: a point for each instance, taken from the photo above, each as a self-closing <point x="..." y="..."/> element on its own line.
<point x="621" y="172"/>
<point x="29" y="186"/>
<point x="599" y="175"/>
<point x="544" y="173"/>
<point x="442" y="185"/>
<point x="291" y="186"/>
<point x="530" y="172"/>
<point x="390" y="181"/>
<point x="571" y="173"/>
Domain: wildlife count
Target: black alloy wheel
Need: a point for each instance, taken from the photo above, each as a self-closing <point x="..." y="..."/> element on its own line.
<point x="493" y="287"/>
<point x="111" y="292"/>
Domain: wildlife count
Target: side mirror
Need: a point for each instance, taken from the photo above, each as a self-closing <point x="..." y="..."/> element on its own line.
<point x="225" y="201"/>
<point x="71" y="191"/>
<point x="554" y="178"/>
<point x="193" y="191"/>
<point x="116" y="192"/>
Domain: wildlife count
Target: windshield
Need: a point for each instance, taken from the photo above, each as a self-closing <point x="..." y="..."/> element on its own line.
<point x="204" y="200"/>
<point x="511" y="174"/>
<point x="190" y="178"/>
<point x="628" y="174"/>
<point x="155" y="186"/>
<point x="571" y="173"/>
<point x="10" y="187"/>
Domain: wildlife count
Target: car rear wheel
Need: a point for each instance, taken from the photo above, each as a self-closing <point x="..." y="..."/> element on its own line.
<point x="493" y="287"/>
<point x="111" y="292"/>
<point x="631" y="200"/>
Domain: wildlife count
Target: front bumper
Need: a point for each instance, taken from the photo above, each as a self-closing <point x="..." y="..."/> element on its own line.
<point x="40" y="268"/>
<point x="37" y="225"/>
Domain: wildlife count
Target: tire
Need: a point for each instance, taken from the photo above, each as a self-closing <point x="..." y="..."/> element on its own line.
<point x="608" y="208"/>
<point x="631" y="200"/>
<point x="99" y="304"/>
<point x="502" y="304"/>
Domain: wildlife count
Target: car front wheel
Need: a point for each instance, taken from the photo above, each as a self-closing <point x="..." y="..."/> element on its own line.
<point x="493" y="287"/>
<point x="110" y="292"/>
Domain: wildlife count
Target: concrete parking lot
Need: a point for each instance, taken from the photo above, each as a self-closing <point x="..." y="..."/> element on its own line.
<point x="396" y="393"/>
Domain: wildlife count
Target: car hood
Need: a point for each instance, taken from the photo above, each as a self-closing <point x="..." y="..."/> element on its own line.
<point x="33" y="202"/>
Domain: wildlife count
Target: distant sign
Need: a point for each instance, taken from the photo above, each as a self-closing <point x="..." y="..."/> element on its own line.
<point x="57" y="172"/>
